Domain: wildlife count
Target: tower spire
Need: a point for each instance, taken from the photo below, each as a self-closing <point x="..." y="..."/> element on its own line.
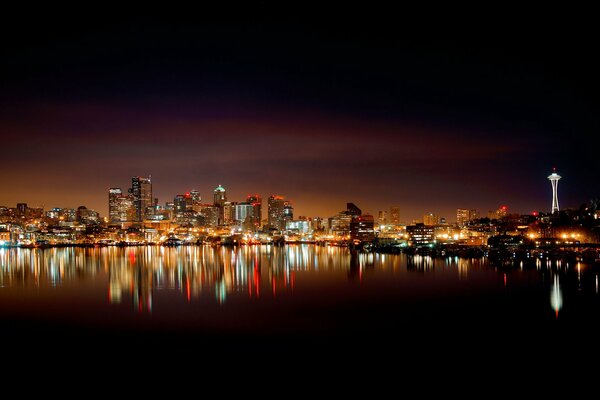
<point x="554" y="178"/>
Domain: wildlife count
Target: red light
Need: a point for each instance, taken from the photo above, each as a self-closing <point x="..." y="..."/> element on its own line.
<point x="534" y="213"/>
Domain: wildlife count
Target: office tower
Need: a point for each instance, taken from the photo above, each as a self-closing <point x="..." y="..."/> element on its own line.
<point x="256" y="202"/>
<point x="420" y="234"/>
<point x="352" y="209"/>
<point x="276" y="207"/>
<point x="141" y="189"/>
<point x="395" y="215"/>
<point x="180" y="204"/>
<point x="431" y="219"/>
<point x="114" y="194"/>
<point x="196" y="199"/>
<point x="362" y="228"/>
<point x="554" y="178"/>
<point x="220" y="197"/>
<point x="382" y="219"/>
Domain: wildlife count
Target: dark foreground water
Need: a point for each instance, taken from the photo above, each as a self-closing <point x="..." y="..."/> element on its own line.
<point x="296" y="301"/>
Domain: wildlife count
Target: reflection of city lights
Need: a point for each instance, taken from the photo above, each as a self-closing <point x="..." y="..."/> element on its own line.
<point x="556" y="300"/>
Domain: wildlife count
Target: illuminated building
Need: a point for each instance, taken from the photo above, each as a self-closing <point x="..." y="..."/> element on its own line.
<point x="288" y="212"/>
<point x="243" y="211"/>
<point x="113" y="204"/>
<point x="219" y="199"/>
<point x="382" y="218"/>
<point x="87" y="217"/>
<point x="180" y="204"/>
<point x="196" y="199"/>
<point x="431" y="219"/>
<point x="463" y="216"/>
<point x="256" y="202"/>
<point x="362" y="228"/>
<point x="276" y="218"/>
<point x="554" y="178"/>
<point x="420" y="234"/>
<point x="395" y="215"/>
<point x="210" y="214"/>
<point x="141" y="189"/>
<point x="228" y="211"/>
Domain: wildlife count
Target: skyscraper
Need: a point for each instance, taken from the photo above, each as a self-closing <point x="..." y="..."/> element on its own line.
<point x="463" y="216"/>
<point x="196" y="199"/>
<point x="554" y="178"/>
<point x="220" y="197"/>
<point x="256" y="202"/>
<point x="395" y="215"/>
<point x="431" y="219"/>
<point x="180" y="203"/>
<point x="141" y="189"/>
<point x="276" y="212"/>
<point x="383" y="218"/>
<point x="113" y="205"/>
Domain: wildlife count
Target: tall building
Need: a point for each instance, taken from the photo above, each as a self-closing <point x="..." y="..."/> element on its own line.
<point x="229" y="211"/>
<point x="196" y="199"/>
<point x="395" y="215"/>
<point x="141" y="189"/>
<point x="288" y="212"/>
<point x="121" y="207"/>
<point x="554" y="178"/>
<point x="220" y="197"/>
<point x="352" y="209"/>
<point x="431" y="219"/>
<point x="362" y="228"/>
<point x="114" y="194"/>
<point x="382" y="218"/>
<point x="256" y="202"/>
<point x="276" y="218"/>
<point x="180" y="204"/>
<point x="464" y="215"/>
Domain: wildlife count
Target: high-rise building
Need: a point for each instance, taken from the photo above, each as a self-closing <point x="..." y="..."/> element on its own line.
<point x="228" y="211"/>
<point x="141" y="189"/>
<point x="196" y="199"/>
<point x="180" y="204"/>
<point x="554" y="178"/>
<point x="464" y="215"/>
<point x="220" y="197"/>
<point x="121" y="207"/>
<point x="431" y="219"/>
<point x="395" y="215"/>
<point x="352" y="209"/>
<point x="362" y="228"/>
<point x="256" y="202"/>
<point x="288" y="212"/>
<point x="114" y="194"/>
<point x="382" y="218"/>
<point x="276" y="218"/>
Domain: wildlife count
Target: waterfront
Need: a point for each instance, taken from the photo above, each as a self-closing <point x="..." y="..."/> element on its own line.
<point x="293" y="290"/>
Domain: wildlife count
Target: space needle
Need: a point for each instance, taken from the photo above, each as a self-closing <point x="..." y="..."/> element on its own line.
<point x="554" y="178"/>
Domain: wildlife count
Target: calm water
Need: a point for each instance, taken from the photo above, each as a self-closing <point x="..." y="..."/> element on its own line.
<point x="289" y="292"/>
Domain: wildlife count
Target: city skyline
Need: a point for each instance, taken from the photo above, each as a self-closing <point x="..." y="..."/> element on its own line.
<point x="324" y="114"/>
<point x="419" y="216"/>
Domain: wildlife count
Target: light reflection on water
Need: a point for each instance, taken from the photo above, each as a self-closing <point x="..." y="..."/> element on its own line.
<point x="137" y="275"/>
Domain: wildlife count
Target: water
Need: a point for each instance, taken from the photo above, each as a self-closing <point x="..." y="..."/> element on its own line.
<point x="298" y="294"/>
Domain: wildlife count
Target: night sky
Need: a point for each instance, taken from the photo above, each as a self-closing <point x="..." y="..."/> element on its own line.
<point x="377" y="111"/>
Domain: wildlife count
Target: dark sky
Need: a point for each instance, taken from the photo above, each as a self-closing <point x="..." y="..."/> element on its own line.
<point x="374" y="109"/>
